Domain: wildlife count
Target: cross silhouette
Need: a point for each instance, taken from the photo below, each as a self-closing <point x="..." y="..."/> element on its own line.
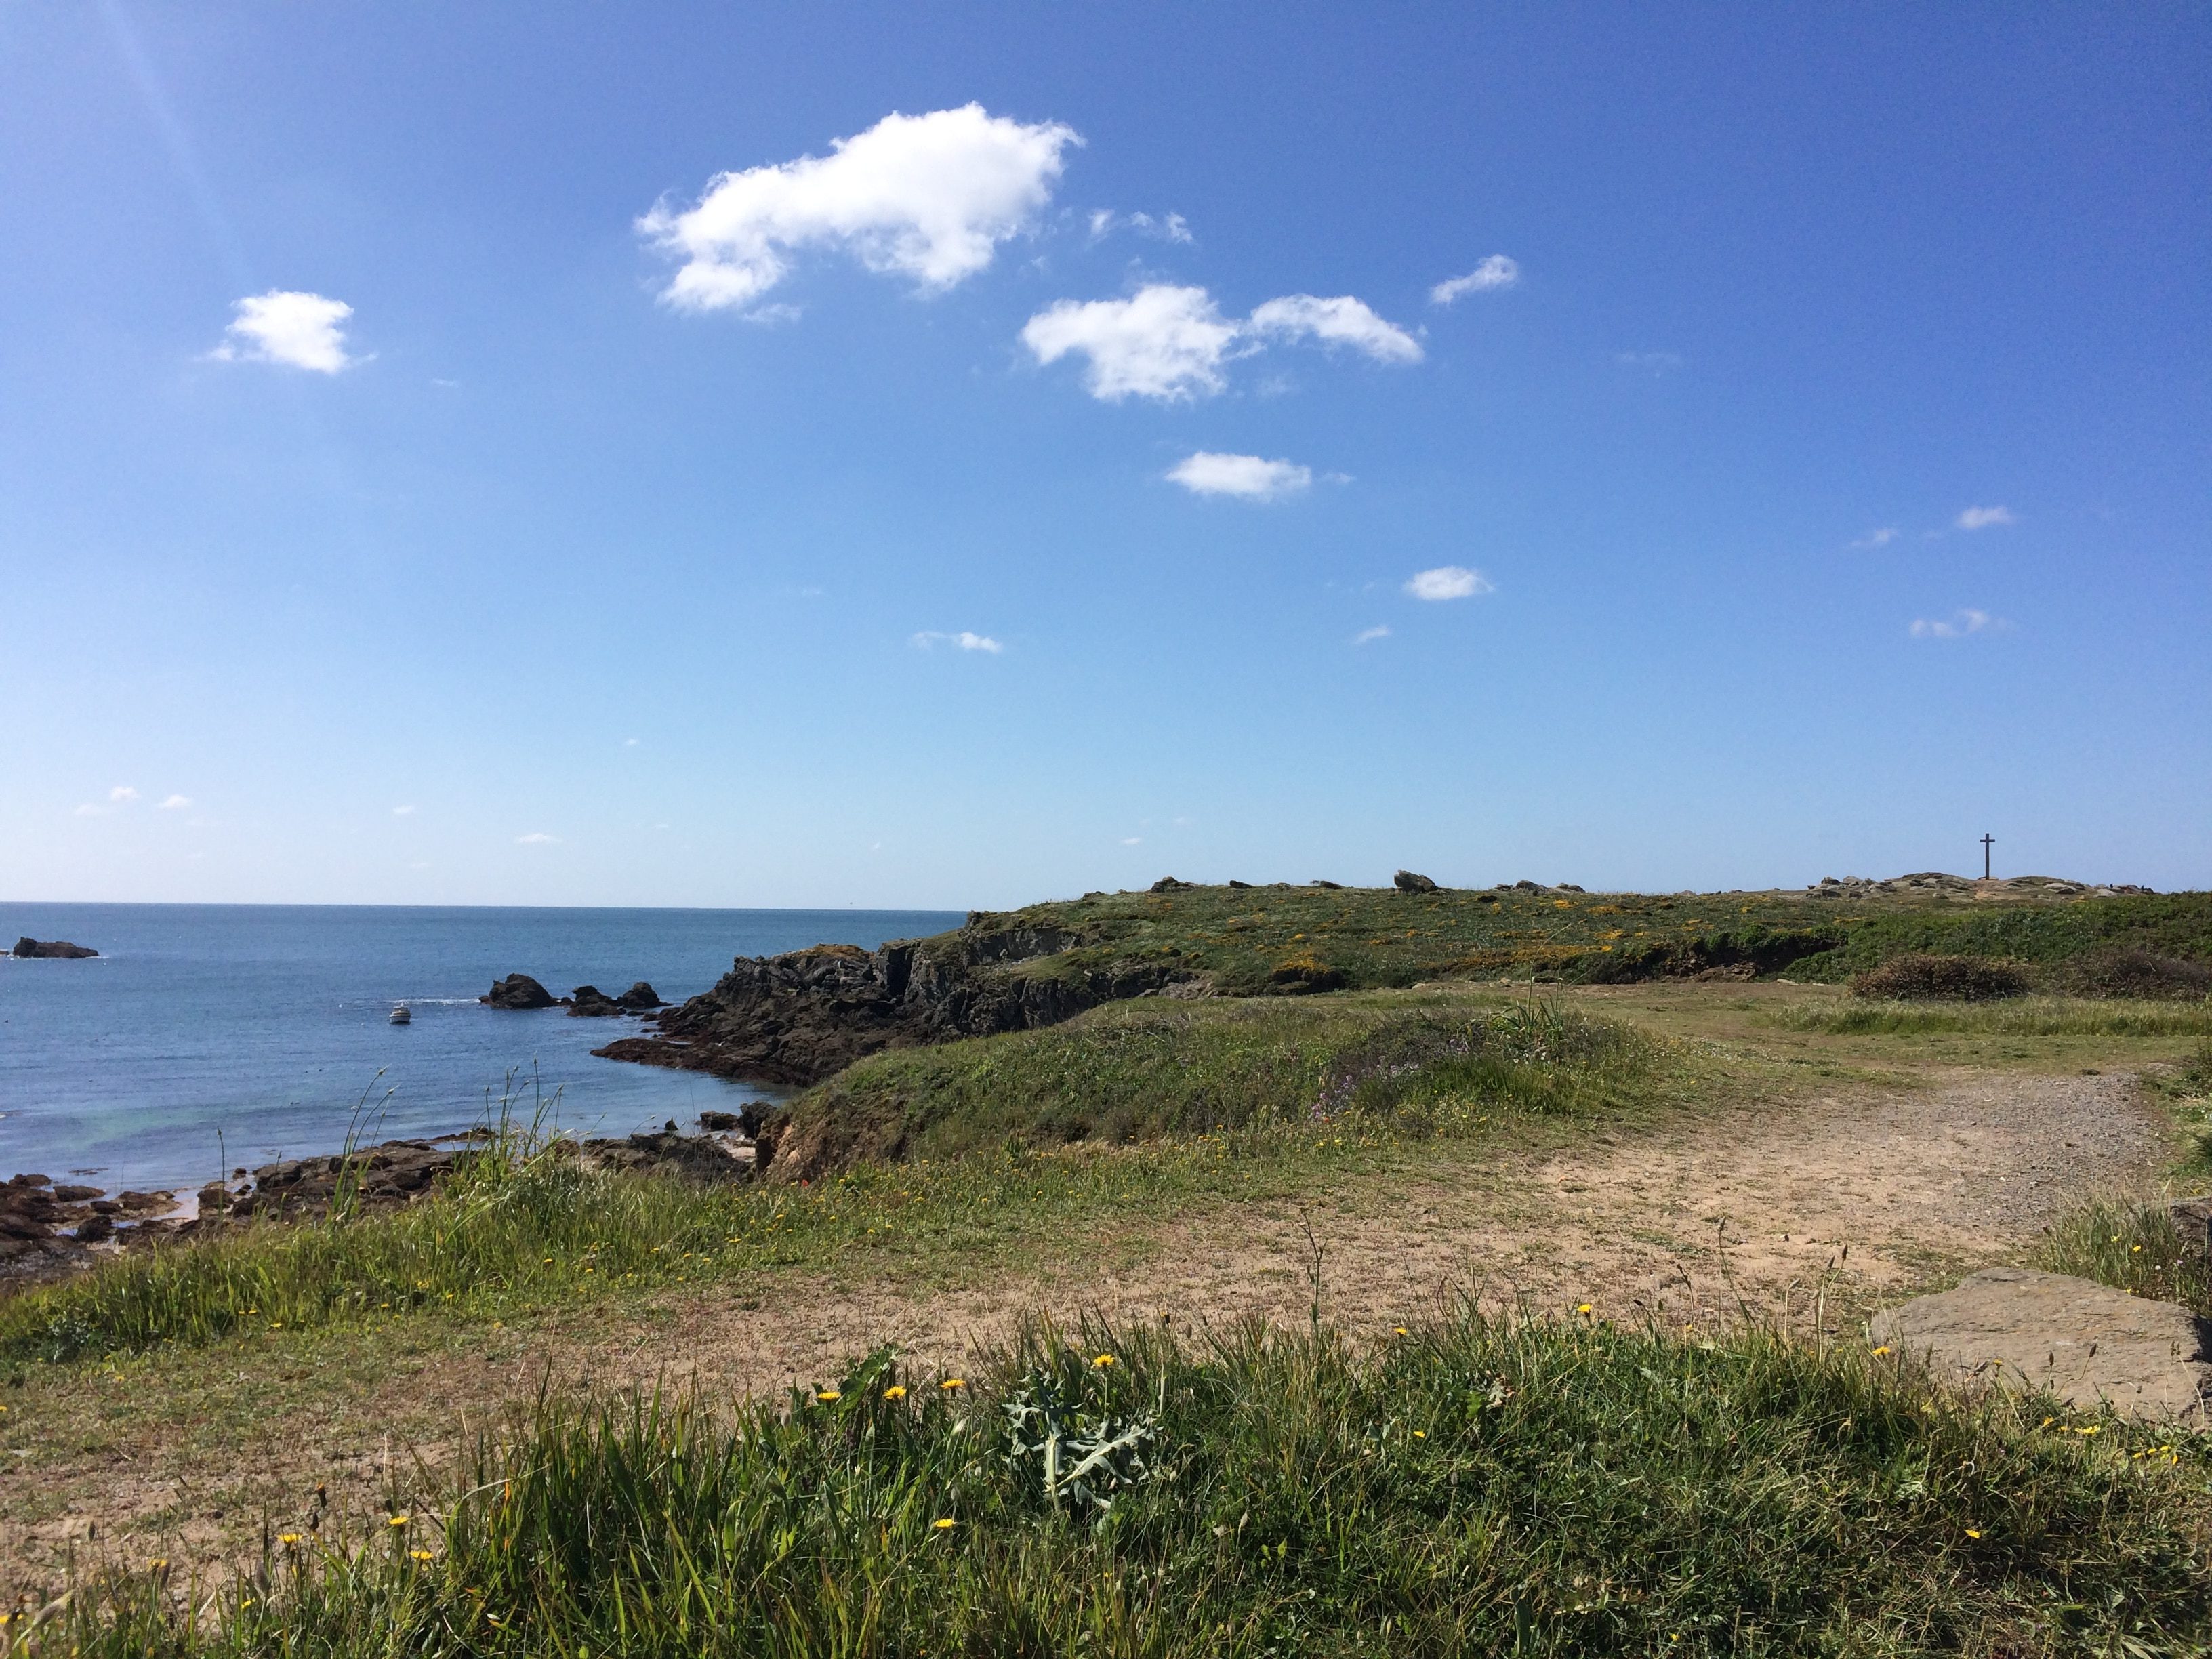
<point x="1988" y="840"/>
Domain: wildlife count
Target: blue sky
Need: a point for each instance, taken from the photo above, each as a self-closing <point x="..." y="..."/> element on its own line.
<point x="1011" y="499"/>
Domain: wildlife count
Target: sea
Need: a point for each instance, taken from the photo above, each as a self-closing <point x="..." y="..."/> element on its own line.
<point x="206" y="1038"/>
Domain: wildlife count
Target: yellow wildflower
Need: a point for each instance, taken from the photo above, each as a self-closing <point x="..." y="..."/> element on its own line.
<point x="419" y="1555"/>
<point x="400" y="1520"/>
<point x="1884" y="1349"/>
<point x="943" y="1525"/>
<point x="1973" y="1532"/>
<point x="829" y="1396"/>
<point x="1103" y="1360"/>
<point x="288" y="1538"/>
<point x="894" y="1392"/>
<point x="953" y="1382"/>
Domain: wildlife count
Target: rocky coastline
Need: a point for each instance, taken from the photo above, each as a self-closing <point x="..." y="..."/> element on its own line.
<point x="797" y="1018"/>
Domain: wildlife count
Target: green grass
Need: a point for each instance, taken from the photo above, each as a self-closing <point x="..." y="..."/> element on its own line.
<point x="2018" y="1016"/>
<point x="1240" y="938"/>
<point x="523" y="1225"/>
<point x="1142" y="1070"/>
<point x="1479" y="1486"/>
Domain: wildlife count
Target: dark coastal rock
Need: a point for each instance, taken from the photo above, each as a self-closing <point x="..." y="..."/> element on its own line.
<point x="640" y="999"/>
<point x="1406" y="882"/>
<point x="1328" y="886"/>
<point x="519" y="991"/>
<point x="58" y="949"/>
<point x="1242" y="886"/>
<point x="798" y="1019"/>
<point x="1169" y="885"/>
<point x="589" y="1002"/>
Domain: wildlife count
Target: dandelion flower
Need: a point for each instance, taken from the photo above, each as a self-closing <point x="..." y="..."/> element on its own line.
<point x="1401" y="1330"/>
<point x="288" y="1538"/>
<point x="953" y="1382"/>
<point x="1973" y="1532"/>
<point x="829" y="1396"/>
<point x="1884" y="1349"/>
<point x="1103" y="1361"/>
<point x="1583" y="1308"/>
<point x="894" y="1392"/>
<point x="944" y="1524"/>
<point x="400" y="1520"/>
<point x="419" y="1555"/>
<point x="1420" y="1434"/>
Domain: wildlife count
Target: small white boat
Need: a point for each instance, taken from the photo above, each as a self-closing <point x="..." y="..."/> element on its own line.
<point x="400" y="1016"/>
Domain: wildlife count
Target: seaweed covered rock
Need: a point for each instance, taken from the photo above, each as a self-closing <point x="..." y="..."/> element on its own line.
<point x="519" y="991"/>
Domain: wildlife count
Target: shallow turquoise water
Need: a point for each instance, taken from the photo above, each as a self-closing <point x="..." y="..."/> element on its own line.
<point x="205" y="1037"/>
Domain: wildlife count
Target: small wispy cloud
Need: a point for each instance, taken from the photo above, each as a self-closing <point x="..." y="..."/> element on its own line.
<point x="1652" y="363"/>
<point x="122" y="792"/>
<point x="967" y="641"/>
<point x="630" y="743"/>
<point x="1133" y="841"/>
<point x="1957" y="626"/>
<point x="1161" y="228"/>
<point x="176" y="803"/>
<point x="1984" y="517"/>
<point x="402" y="811"/>
<point x="1248" y="477"/>
<point x="1496" y="272"/>
<point x="1369" y="635"/>
<point x="536" y="838"/>
<point x="92" y="809"/>
<point x="300" y="331"/>
<point x="1449" y="581"/>
<point x="1881" y="537"/>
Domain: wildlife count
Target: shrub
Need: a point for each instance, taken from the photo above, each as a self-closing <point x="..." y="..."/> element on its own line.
<point x="1915" y="977"/>
<point x="2129" y="970"/>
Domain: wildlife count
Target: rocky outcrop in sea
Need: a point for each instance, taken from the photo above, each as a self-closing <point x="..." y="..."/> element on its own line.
<point x="55" y="948"/>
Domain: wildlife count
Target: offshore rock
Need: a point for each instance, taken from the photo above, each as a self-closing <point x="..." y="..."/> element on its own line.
<point x="518" y="991"/>
<point x="799" y="1018"/>
<point x="640" y="999"/>
<point x="589" y="1002"/>
<point x="56" y="949"/>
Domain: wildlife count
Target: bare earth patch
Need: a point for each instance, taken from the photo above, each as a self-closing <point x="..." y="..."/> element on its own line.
<point x="1820" y="1209"/>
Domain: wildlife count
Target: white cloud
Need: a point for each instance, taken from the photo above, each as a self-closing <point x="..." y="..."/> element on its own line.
<point x="536" y="838"/>
<point x="1497" y="272"/>
<point x="1340" y="321"/>
<point x="401" y="811"/>
<point x="1170" y="342"/>
<point x="1881" y="537"/>
<point x="1965" y="623"/>
<point x="176" y="803"/>
<point x="1162" y="342"/>
<point x="1659" y="362"/>
<point x="1133" y="841"/>
<point x="1164" y="227"/>
<point x="1983" y="518"/>
<point x="1369" y="635"/>
<point x="301" y="330"/>
<point x="929" y="196"/>
<point x="1449" y="581"/>
<point x="1247" y="476"/>
<point x="630" y="743"/>
<point x="121" y="792"/>
<point x="963" y="639"/>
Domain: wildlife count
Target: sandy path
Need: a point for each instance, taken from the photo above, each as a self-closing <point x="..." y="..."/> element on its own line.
<point x="1863" y="1193"/>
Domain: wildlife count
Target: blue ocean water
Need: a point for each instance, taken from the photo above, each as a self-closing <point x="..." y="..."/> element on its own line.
<point x="205" y="1037"/>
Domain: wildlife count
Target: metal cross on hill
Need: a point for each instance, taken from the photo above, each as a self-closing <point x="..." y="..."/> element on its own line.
<point x="1988" y="840"/>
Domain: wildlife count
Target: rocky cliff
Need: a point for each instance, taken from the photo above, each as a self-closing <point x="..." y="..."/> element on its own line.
<point x="800" y="1017"/>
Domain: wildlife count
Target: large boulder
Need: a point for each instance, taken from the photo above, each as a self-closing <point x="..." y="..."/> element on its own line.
<point x="640" y="999"/>
<point x="518" y="991"/>
<point x="1406" y="882"/>
<point x="590" y="1002"/>
<point x="2087" y="1343"/>
<point x="58" y="949"/>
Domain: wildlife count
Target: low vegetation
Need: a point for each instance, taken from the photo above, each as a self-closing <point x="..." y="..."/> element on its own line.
<point x="1917" y="976"/>
<point x="521" y="1223"/>
<point x="1141" y="1070"/>
<point x="1560" y="1488"/>
<point x="2023" y="1017"/>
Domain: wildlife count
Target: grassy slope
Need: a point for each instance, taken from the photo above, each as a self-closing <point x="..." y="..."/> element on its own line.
<point x="1244" y="938"/>
<point x="1553" y="1488"/>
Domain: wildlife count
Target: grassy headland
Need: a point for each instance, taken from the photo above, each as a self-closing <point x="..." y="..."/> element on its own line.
<point x="1255" y="940"/>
